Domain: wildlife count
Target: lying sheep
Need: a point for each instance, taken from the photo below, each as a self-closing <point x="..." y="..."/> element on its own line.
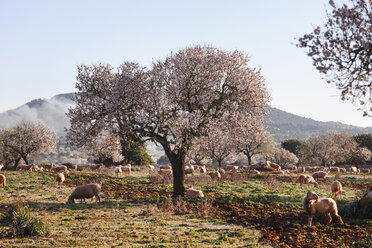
<point x="85" y="191"/>
<point x="301" y="170"/>
<point x="96" y="166"/>
<point x="312" y="204"/>
<point x="165" y="167"/>
<point x="2" y="180"/>
<point x="366" y="171"/>
<point x="334" y="169"/>
<point x="336" y="188"/>
<point x="61" y="168"/>
<point x="367" y="197"/>
<point x="60" y="178"/>
<point x="191" y="192"/>
<point x="118" y="171"/>
<point x="306" y="179"/>
<point x="214" y="175"/>
<point x="256" y="172"/>
<point x="320" y="174"/>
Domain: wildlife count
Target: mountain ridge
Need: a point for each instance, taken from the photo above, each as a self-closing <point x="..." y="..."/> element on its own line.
<point x="281" y="124"/>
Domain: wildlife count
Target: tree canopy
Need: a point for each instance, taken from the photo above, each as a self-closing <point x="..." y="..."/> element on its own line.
<point x="342" y="50"/>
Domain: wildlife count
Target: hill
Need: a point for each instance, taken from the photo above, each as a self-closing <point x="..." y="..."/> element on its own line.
<point x="282" y="125"/>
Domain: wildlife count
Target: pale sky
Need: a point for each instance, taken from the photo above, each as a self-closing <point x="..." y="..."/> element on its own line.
<point x="42" y="42"/>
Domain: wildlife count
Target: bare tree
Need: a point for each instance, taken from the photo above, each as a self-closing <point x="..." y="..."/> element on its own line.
<point x="253" y="140"/>
<point x="176" y="101"/>
<point x="27" y="139"/>
<point x="342" y="50"/>
<point x="284" y="157"/>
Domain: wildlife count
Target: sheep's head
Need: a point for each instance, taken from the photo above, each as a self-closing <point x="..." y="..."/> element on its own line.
<point x="70" y="200"/>
<point x="312" y="196"/>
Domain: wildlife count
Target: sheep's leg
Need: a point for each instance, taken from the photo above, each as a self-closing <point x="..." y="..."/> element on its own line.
<point x="310" y="219"/>
<point x="341" y="195"/>
<point x="339" y="218"/>
<point x="329" y="218"/>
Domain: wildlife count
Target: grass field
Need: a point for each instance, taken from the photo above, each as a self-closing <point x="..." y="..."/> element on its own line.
<point x="136" y="211"/>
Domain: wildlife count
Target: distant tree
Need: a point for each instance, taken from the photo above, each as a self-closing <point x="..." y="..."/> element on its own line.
<point x="171" y="104"/>
<point x="253" y="141"/>
<point x="27" y="139"/>
<point x="292" y="145"/>
<point x="284" y="157"/>
<point x="327" y="149"/>
<point x="359" y="156"/>
<point x="342" y="50"/>
<point x="106" y="149"/>
<point x="198" y="153"/>
<point x="134" y="152"/>
<point x="163" y="160"/>
<point x="364" y="140"/>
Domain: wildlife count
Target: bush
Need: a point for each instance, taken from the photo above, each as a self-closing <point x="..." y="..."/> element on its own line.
<point x="22" y="223"/>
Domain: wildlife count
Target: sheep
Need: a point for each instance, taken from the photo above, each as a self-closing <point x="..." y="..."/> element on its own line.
<point x="306" y="179"/>
<point x="255" y="166"/>
<point x="334" y="169"/>
<point x="203" y="169"/>
<point x="366" y="171"/>
<point x="342" y="170"/>
<point x="48" y="167"/>
<point x="353" y="170"/>
<point x="1" y="166"/>
<point x="126" y="169"/>
<point x="189" y="170"/>
<point x="336" y="188"/>
<point x="231" y="167"/>
<point x="320" y="174"/>
<point x="214" y="174"/>
<point x="256" y="172"/>
<point x="118" y="171"/>
<point x="191" y="192"/>
<point x="246" y="168"/>
<point x="294" y="168"/>
<point x="312" y="204"/>
<point x="95" y="166"/>
<point x="2" y="180"/>
<point x="165" y="167"/>
<point x="61" y="168"/>
<point x="301" y="170"/>
<point x="85" y="191"/>
<point x="60" y="178"/>
<point x="272" y="166"/>
<point x="221" y="171"/>
<point x="165" y="172"/>
<point x="367" y="197"/>
<point x="25" y="168"/>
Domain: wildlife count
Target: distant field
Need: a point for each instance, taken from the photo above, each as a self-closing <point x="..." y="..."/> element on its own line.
<point x="136" y="211"/>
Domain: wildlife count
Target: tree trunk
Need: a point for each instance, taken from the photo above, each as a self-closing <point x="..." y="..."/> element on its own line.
<point x="220" y="163"/>
<point x="177" y="161"/>
<point x="249" y="160"/>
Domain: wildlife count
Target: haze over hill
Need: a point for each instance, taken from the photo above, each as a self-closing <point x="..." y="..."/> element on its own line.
<point x="282" y="125"/>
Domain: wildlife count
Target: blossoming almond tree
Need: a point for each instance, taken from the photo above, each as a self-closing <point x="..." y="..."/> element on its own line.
<point x="342" y="50"/>
<point x="179" y="99"/>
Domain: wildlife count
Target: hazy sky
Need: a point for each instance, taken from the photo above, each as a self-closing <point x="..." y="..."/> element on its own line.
<point x="42" y="42"/>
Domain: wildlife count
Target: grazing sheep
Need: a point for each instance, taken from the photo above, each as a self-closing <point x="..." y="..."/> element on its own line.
<point x="312" y="204"/>
<point x="336" y="188"/>
<point x="165" y="167"/>
<point x="191" y="192"/>
<point x="353" y="170"/>
<point x="367" y="197"/>
<point x="60" y="178"/>
<point x="2" y="180"/>
<point x="126" y="169"/>
<point x="118" y="171"/>
<point x="342" y="170"/>
<point x="366" y="171"/>
<point x="61" y="168"/>
<point x="203" y="169"/>
<point x="320" y="174"/>
<point x="306" y="179"/>
<point x="48" y="167"/>
<point x="189" y="170"/>
<point x="165" y="172"/>
<point x="85" y="191"/>
<point x="214" y="175"/>
<point x="221" y="171"/>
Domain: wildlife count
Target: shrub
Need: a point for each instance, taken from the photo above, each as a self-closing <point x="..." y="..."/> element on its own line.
<point x="22" y="223"/>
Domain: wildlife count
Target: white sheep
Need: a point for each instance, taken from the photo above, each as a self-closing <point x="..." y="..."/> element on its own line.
<point x="191" y="192"/>
<point x="118" y="171"/>
<point x="312" y="204"/>
<point x="60" y="178"/>
<point x="85" y="191"/>
<point x="203" y="169"/>
<point x="353" y="170"/>
<point x="336" y="188"/>
<point x="126" y="169"/>
<point x="2" y="180"/>
<point x="189" y="170"/>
